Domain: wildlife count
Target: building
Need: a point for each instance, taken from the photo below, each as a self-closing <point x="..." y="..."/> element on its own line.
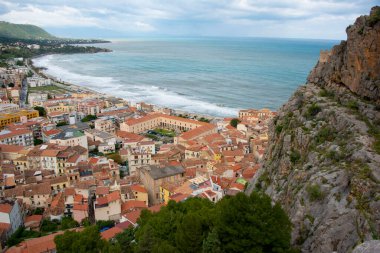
<point x="37" y="99"/>
<point x="105" y="125"/>
<point x="108" y="207"/>
<point x="14" y="117"/>
<point x="152" y="176"/>
<point x="103" y="137"/>
<point x="37" y="81"/>
<point x="9" y="108"/>
<point x="261" y="114"/>
<point x="140" y="193"/>
<point x="137" y="158"/>
<point x="22" y="137"/>
<point x="70" y="137"/>
<point x="159" y="120"/>
<point x="11" y="213"/>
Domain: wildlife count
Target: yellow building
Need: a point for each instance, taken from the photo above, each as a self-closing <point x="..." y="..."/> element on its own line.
<point x="61" y="107"/>
<point x="140" y="193"/>
<point x="14" y="117"/>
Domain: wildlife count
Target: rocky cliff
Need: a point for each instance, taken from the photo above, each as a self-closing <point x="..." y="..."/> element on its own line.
<point x="354" y="63"/>
<point x="323" y="161"/>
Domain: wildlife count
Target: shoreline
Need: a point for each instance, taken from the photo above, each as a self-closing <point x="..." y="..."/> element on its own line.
<point x="75" y="88"/>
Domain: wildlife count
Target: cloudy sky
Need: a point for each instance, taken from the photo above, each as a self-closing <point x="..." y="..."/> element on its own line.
<point x="322" y="19"/>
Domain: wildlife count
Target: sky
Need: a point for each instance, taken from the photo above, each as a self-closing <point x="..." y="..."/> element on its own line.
<point x="315" y="19"/>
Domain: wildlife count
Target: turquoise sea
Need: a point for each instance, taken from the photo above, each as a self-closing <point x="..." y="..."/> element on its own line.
<point x="216" y="76"/>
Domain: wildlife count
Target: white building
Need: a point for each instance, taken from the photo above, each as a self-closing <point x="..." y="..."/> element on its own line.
<point x="36" y="81"/>
<point x="22" y="137"/>
<point x="70" y="137"/>
<point x="37" y="99"/>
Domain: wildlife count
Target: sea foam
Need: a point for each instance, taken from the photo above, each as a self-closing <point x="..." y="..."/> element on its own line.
<point x="135" y="93"/>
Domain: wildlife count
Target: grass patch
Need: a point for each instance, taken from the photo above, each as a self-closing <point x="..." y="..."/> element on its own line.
<point x="47" y="88"/>
<point x="326" y="93"/>
<point x="315" y="193"/>
<point x="353" y="105"/>
<point x="165" y="132"/>
<point x="312" y="110"/>
<point x="374" y="18"/>
<point x="279" y="129"/>
<point x="295" y="156"/>
<point x="325" y="134"/>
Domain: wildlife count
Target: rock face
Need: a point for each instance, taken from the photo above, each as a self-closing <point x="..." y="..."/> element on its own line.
<point x="323" y="161"/>
<point x="354" y="63"/>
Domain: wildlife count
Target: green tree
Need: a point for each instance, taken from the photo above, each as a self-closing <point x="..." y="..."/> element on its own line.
<point x="147" y="240"/>
<point x="164" y="247"/>
<point x="41" y="110"/>
<point x="89" y="118"/>
<point x="251" y="223"/>
<point x="68" y="222"/>
<point x="189" y="236"/>
<point x="86" y="241"/>
<point x="50" y="226"/>
<point x="234" y="122"/>
<point x="115" y="157"/>
<point x="62" y="123"/>
<point x="37" y="142"/>
<point x="212" y="243"/>
<point x="125" y="240"/>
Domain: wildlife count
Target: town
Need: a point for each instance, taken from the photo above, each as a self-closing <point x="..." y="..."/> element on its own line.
<point x="69" y="155"/>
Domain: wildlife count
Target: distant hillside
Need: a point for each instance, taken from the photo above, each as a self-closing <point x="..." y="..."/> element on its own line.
<point x="25" y="32"/>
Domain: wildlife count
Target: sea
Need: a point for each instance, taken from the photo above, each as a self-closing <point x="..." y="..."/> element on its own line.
<point x="211" y="76"/>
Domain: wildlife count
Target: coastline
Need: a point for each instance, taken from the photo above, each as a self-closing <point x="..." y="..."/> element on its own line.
<point x="75" y="88"/>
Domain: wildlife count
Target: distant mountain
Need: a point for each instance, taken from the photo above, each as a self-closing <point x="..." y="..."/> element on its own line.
<point x="24" y="32"/>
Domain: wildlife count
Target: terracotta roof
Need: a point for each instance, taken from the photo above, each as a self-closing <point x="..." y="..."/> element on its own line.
<point x="124" y="225"/>
<point x="50" y="153"/>
<point x="13" y="133"/>
<point x="138" y="188"/>
<point x="4" y="226"/>
<point x="133" y="216"/>
<point x="59" y="179"/>
<point x="51" y="132"/>
<point x="5" y="208"/>
<point x="156" y="208"/>
<point x="132" y="204"/>
<point x="36" y="245"/>
<point x="10" y="148"/>
<point x="30" y="220"/>
<point x="113" y="196"/>
<point x="102" y="190"/>
<point x="178" y="197"/>
<point x="38" y="189"/>
<point x="111" y="233"/>
<point x="80" y="207"/>
<point x="197" y="131"/>
<point x="129" y="135"/>
<point x="237" y="152"/>
<point x="78" y="198"/>
<point x="69" y="191"/>
<point x="9" y="181"/>
<point x="237" y="186"/>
